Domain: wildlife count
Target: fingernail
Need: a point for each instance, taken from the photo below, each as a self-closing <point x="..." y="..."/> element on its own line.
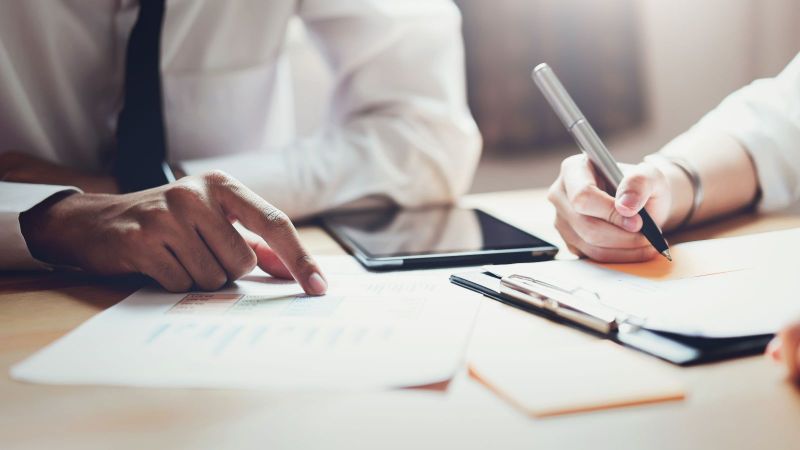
<point x="774" y="349"/>
<point x="628" y="200"/>
<point x="629" y="223"/>
<point x="317" y="284"/>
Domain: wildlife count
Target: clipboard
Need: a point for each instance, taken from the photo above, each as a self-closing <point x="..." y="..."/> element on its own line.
<point x="577" y="310"/>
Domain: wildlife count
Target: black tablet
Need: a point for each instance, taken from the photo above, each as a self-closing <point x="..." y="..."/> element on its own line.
<point x="433" y="237"/>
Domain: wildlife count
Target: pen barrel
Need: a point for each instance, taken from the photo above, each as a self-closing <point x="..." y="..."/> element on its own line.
<point x="556" y="95"/>
<point x="591" y="145"/>
<point x="572" y="117"/>
<point x="652" y="232"/>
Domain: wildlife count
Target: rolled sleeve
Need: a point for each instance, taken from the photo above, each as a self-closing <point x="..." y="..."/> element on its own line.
<point x="16" y="198"/>
<point x="399" y="130"/>
<point x="765" y="118"/>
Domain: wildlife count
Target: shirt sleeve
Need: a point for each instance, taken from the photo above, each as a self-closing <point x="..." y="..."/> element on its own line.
<point x="16" y="198"/>
<point x="399" y="130"/>
<point x="765" y="118"/>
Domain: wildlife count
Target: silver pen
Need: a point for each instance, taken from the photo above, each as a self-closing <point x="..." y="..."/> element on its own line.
<point x="591" y="145"/>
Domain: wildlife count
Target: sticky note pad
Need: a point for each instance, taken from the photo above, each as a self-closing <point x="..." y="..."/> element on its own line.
<point x="716" y="256"/>
<point x="691" y="259"/>
<point x="588" y="377"/>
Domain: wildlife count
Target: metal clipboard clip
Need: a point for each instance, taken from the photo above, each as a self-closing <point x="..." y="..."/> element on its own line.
<point x="574" y="304"/>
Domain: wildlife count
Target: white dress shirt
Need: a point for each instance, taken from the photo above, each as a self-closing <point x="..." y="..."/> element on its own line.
<point x="765" y="118"/>
<point x="398" y="127"/>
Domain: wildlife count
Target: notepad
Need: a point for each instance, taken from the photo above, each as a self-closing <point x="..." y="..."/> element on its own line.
<point x="588" y="377"/>
<point x="691" y="259"/>
<point x="713" y="256"/>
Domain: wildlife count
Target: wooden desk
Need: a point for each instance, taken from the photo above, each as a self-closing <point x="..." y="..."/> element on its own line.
<point x="737" y="404"/>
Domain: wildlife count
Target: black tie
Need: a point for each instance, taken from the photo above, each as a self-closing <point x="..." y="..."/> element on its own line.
<point x="141" y="138"/>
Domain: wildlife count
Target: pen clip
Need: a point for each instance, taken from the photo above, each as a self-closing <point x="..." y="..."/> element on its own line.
<point x="560" y="301"/>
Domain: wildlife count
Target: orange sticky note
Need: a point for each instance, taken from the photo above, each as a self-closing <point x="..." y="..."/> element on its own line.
<point x="589" y="377"/>
<point x="691" y="259"/>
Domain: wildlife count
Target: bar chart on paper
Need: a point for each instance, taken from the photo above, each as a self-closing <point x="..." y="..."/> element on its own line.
<point x="369" y="331"/>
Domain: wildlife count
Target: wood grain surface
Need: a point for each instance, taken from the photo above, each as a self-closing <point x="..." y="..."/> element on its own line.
<point x="745" y="403"/>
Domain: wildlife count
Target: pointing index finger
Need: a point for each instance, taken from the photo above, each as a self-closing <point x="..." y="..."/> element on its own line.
<point x="267" y="221"/>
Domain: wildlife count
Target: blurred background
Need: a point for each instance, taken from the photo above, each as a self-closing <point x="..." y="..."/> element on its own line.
<point x="642" y="71"/>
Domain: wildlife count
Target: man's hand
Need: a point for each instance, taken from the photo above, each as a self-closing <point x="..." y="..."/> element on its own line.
<point x="179" y="234"/>
<point x="605" y="227"/>
<point x="21" y="168"/>
<point x="785" y="348"/>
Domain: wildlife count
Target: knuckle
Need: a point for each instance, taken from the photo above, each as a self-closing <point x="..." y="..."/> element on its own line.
<point x="165" y="271"/>
<point x="153" y="215"/>
<point x="277" y="218"/>
<point x="181" y="193"/>
<point x="636" y="180"/>
<point x="304" y="262"/>
<point x="211" y="276"/>
<point x="217" y="177"/>
<point x="244" y="263"/>
<point x="170" y="279"/>
<point x="554" y="191"/>
<point x="581" y="198"/>
<point x="235" y="240"/>
<point x="203" y="259"/>
<point x="248" y="260"/>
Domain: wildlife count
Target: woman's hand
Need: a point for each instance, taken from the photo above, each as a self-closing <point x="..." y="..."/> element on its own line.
<point x="605" y="227"/>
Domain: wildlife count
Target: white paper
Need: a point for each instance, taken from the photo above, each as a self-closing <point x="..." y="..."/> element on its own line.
<point x="369" y="331"/>
<point x="748" y="302"/>
<point x="757" y="299"/>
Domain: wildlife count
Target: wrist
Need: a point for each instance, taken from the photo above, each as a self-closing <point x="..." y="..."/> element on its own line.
<point x="680" y="189"/>
<point x="44" y="230"/>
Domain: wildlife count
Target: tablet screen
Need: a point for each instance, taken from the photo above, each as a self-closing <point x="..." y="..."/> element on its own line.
<point x="438" y="230"/>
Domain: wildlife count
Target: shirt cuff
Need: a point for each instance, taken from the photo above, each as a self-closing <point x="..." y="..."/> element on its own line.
<point x="16" y="198"/>
<point x="769" y="138"/>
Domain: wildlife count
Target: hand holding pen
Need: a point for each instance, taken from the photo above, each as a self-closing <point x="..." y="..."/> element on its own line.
<point x="620" y="228"/>
<point x="604" y="227"/>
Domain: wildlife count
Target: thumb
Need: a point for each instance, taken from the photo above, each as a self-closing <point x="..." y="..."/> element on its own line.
<point x="635" y="190"/>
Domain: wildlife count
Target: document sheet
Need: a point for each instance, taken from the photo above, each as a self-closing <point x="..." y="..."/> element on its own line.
<point x="369" y="331"/>
<point x="729" y="287"/>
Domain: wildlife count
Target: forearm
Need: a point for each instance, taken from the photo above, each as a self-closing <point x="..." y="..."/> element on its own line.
<point x="727" y="174"/>
<point x="21" y="168"/>
<point x="366" y="163"/>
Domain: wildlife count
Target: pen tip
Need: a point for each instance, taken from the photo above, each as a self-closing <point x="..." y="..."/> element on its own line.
<point x="667" y="255"/>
